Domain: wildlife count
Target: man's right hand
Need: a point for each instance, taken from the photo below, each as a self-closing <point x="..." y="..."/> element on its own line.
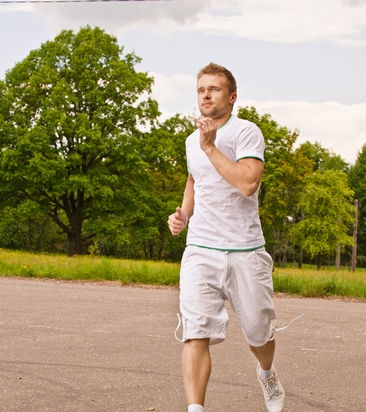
<point x="177" y="221"/>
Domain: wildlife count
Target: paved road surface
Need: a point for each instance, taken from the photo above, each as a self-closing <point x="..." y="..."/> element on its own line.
<point x="72" y="347"/>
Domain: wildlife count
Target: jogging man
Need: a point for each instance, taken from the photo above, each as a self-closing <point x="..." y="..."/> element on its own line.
<point x="225" y="257"/>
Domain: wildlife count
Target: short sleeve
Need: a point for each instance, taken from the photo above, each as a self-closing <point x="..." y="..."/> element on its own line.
<point x="250" y="143"/>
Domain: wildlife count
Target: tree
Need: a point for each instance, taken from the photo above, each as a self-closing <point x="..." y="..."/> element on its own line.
<point x="327" y="210"/>
<point x="357" y="181"/>
<point x="25" y="227"/>
<point x="168" y="171"/>
<point x="71" y="121"/>
<point x="281" y="182"/>
<point x="148" y="235"/>
<point x="321" y="157"/>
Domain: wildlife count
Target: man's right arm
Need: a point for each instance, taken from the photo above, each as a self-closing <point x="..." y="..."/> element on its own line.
<point x="178" y="220"/>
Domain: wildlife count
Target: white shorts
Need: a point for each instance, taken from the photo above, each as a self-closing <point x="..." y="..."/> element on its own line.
<point x="208" y="277"/>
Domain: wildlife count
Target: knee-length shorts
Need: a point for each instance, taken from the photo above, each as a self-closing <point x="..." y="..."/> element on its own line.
<point x="209" y="277"/>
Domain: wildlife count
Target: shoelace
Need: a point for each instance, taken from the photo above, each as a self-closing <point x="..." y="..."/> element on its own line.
<point x="271" y="387"/>
<point x="181" y="340"/>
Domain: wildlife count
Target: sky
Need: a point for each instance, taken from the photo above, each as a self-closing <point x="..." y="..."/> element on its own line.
<point x="302" y="62"/>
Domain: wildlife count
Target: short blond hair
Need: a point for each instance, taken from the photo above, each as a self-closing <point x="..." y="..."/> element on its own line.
<point x="214" y="68"/>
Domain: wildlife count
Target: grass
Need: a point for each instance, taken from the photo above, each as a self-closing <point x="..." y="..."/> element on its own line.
<point x="307" y="282"/>
<point x="14" y="263"/>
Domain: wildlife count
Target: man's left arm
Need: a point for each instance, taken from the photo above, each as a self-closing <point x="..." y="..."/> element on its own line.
<point x="245" y="175"/>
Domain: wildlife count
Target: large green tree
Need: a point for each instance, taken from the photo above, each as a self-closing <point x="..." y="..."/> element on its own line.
<point x="168" y="173"/>
<point x="327" y="214"/>
<point x="148" y="235"/>
<point x="71" y="120"/>
<point x="319" y="158"/>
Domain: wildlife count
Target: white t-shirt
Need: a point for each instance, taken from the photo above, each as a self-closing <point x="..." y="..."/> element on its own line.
<point x="223" y="218"/>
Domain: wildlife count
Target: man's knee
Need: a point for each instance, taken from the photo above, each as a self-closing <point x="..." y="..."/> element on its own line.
<point x="197" y="344"/>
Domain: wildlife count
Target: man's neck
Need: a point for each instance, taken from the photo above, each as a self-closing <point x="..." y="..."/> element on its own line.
<point x="219" y="122"/>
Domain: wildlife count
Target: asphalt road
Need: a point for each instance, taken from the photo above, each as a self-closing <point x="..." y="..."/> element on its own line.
<point x="75" y="347"/>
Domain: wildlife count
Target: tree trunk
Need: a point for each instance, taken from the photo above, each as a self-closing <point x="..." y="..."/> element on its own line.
<point x="75" y="244"/>
<point x="74" y="236"/>
<point x="354" y="248"/>
<point x="319" y="261"/>
<point x="301" y="255"/>
<point x="338" y="257"/>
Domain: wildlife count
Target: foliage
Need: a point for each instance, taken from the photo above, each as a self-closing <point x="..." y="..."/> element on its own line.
<point x="84" y="160"/>
<point x="163" y="153"/>
<point x="26" y="227"/>
<point x="357" y="180"/>
<point x="326" y="211"/>
<point x="322" y="158"/>
<point x="285" y="185"/>
<point x="281" y="182"/>
<point x="70" y="133"/>
<point x="166" y="158"/>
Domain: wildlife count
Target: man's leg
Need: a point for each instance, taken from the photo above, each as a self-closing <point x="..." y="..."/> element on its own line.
<point x="196" y="368"/>
<point x="264" y="354"/>
<point x="273" y="392"/>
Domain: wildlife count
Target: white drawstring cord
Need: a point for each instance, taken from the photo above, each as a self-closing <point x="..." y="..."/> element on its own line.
<point x="181" y="340"/>
<point x="290" y="323"/>
<point x="177" y="328"/>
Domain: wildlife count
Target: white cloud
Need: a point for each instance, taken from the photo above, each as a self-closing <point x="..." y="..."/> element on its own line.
<point x="13" y="7"/>
<point x="287" y="21"/>
<point x="340" y="128"/>
<point x="162" y="16"/>
<point x="340" y="21"/>
<point x="175" y="93"/>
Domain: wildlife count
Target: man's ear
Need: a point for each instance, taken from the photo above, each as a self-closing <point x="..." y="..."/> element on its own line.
<point x="233" y="97"/>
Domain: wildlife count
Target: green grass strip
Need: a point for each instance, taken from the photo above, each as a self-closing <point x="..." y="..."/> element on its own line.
<point x="307" y="282"/>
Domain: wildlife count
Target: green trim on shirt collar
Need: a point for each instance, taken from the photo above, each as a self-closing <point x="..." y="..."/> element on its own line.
<point x="227" y="121"/>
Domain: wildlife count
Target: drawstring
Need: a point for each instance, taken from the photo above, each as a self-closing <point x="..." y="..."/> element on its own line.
<point x="274" y="329"/>
<point x="181" y="340"/>
<point x="290" y="323"/>
<point x="177" y="328"/>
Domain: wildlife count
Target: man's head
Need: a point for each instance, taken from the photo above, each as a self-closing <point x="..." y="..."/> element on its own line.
<point x="214" y="69"/>
<point x="216" y="92"/>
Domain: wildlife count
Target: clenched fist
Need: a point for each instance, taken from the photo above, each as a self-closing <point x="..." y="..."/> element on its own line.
<point x="177" y="221"/>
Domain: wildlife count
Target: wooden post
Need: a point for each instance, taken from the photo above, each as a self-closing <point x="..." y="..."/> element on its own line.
<point x="354" y="248"/>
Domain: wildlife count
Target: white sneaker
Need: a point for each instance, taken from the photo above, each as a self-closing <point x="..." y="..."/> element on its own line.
<point x="195" y="408"/>
<point x="274" y="394"/>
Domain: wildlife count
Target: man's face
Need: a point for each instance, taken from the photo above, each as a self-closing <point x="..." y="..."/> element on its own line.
<point x="214" y="98"/>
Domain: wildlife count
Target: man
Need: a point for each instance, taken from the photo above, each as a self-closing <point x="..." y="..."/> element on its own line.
<point x="225" y="257"/>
